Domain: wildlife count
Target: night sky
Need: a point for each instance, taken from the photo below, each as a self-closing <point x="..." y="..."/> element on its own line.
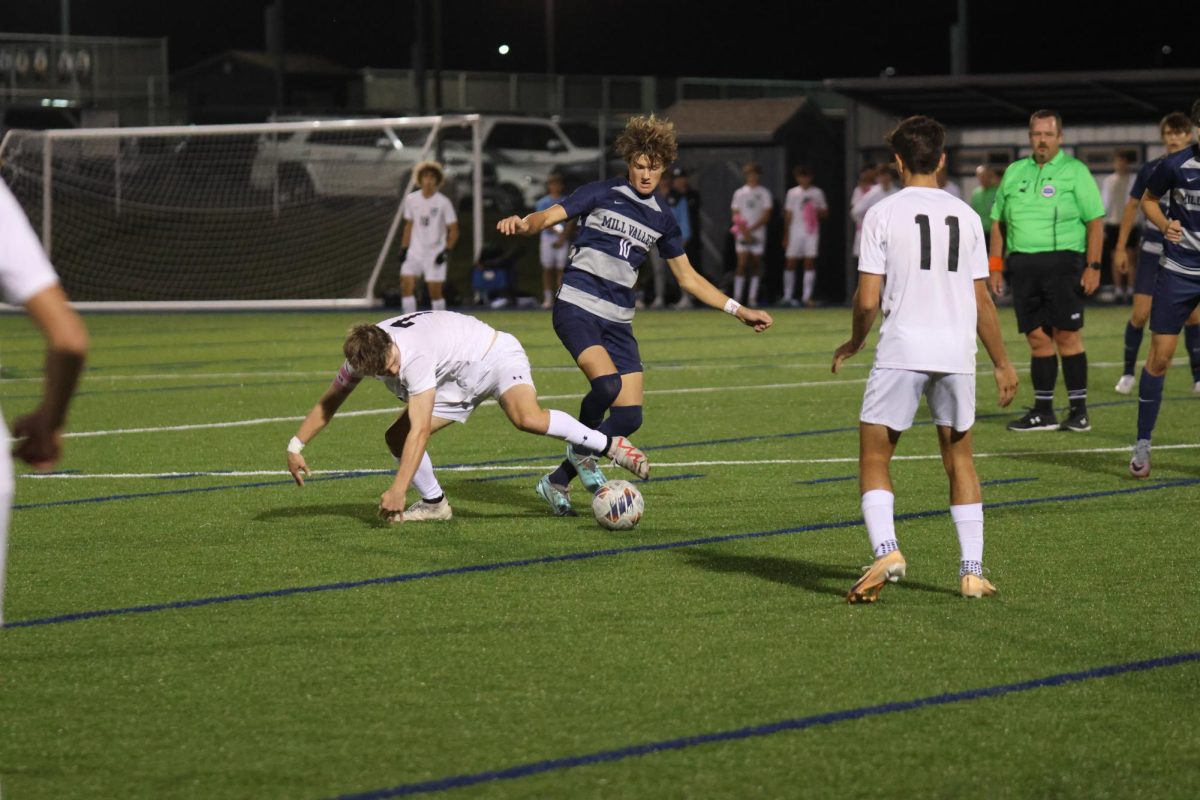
<point x="665" y="38"/>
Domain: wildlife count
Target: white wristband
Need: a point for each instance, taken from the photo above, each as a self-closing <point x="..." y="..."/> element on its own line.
<point x="295" y="445"/>
<point x="732" y="306"/>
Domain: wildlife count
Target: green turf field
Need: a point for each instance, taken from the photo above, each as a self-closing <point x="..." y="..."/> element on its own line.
<point x="507" y="653"/>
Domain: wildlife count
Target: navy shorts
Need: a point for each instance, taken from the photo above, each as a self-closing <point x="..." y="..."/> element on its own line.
<point x="578" y="330"/>
<point x="1147" y="272"/>
<point x="1175" y="298"/>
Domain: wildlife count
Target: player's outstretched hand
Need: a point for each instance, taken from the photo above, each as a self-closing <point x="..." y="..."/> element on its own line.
<point x="847" y="349"/>
<point x="391" y="507"/>
<point x="1006" y="382"/>
<point x="756" y="318"/>
<point x="1174" y="231"/>
<point x="996" y="283"/>
<point x="298" y="467"/>
<point x="513" y="226"/>
<point x="39" y="442"/>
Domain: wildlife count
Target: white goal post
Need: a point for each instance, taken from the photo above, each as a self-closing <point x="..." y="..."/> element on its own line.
<point x="298" y="214"/>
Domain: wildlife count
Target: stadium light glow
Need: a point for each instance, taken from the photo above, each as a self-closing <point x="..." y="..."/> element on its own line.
<point x="503" y="49"/>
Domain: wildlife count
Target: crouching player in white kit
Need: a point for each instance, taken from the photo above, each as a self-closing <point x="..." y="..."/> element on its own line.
<point x="430" y="233"/>
<point x="443" y="365"/>
<point x="930" y="248"/>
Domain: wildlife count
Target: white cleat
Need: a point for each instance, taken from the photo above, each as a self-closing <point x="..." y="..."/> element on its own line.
<point x="1125" y="384"/>
<point x="421" y="511"/>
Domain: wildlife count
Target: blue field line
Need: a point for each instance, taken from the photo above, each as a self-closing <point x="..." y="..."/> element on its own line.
<point x="1003" y="481"/>
<point x="584" y="555"/>
<point x="837" y="479"/>
<point x="769" y="729"/>
<point x="195" y="490"/>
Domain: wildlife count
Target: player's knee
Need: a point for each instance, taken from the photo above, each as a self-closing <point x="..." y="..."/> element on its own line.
<point x="530" y="421"/>
<point x="606" y="389"/>
<point x="624" y="420"/>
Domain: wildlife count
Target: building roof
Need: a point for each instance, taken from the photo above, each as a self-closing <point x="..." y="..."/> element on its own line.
<point x="1128" y="95"/>
<point x="293" y="63"/>
<point x="737" y="120"/>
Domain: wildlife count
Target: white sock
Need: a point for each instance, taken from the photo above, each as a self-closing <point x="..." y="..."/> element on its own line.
<point x="739" y="283"/>
<point x="878" y="508"/>
<point x="408" y="304"/>
<point x="424" y="481"/>
<point x="810" y="279"/>
<point x="968" y="520"/>
<point x="752" y="299"/>
<point x="438" y="305"/>
<point x="789" y="283"/>
<point x="564" y="426"/>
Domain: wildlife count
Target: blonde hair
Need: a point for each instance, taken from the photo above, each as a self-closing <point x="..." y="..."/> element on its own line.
<point x="429" y="166"/>
<point x="649" y="136"/>
<point x="367" y="349"/>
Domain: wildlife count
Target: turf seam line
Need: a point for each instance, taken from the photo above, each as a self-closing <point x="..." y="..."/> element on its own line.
<point x="583" y="555"/>
<point x="768" y="729"/>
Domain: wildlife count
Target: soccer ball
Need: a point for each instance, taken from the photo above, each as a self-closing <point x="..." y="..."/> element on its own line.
<point x="618" y="506"/>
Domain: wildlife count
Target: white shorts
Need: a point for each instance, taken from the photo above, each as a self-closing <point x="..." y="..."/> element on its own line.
<point x="802" y="245"/>
<point x="892" y="397"/>
<point x="504" y="366"/>
<point x="423" y="265"/>
<point x="754" y="247"/>
<point x="553" y="257"/>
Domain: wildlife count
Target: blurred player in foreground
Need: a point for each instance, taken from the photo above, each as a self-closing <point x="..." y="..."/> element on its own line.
<point x="443" y="365"/>
<point x="929" y="246"/>
<point x="27" y="279"/>
<point x="620" y="220"/>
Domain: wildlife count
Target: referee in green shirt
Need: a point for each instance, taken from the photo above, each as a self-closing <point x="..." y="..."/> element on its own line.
<point x="1050" y="206"/>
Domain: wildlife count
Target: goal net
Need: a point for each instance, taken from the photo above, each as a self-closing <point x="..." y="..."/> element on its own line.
<point x="226" y="216"/>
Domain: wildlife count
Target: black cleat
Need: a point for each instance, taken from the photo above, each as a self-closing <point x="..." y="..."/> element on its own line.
<point x="1035" y="420"/>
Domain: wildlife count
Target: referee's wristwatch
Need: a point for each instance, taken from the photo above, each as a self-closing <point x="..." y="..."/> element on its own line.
<point x="1094" y="265"/>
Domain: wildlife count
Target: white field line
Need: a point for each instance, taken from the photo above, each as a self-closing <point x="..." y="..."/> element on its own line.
<point x="396" y="410"/>
<point x="261" y="473"/>
<point x="982" y="368"/>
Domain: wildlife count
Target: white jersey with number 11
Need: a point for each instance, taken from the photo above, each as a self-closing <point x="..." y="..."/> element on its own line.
<point x="929" y="246"/>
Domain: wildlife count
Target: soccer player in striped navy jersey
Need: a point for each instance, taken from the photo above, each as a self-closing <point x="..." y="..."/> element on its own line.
<point x="619" y="221"/>
<point x="1177" y="291"/>
<point x="1176" y="132"/>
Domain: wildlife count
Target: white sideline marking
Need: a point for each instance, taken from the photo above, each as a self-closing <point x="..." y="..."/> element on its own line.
<point x="982" y="368"/>
<point x="260" y="473"/>
<point x="396" y="409"/>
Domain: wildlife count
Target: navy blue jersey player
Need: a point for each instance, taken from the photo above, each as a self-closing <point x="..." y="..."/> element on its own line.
<point x="1177" y="290"/>
<point x="619" y="220"/>
<point x="1176" y="132"/>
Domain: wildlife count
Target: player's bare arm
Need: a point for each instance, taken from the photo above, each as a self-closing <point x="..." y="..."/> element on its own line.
<point x="1172" y="229"/>
<point x="866" y="307"/>
<point x="1120" y="256"/>
<point x="987" y="325"/>
<point x="996" y="250"/>
<point x="1090" y="280"/>
<point x="420" y="418"/>
<point x="533" y="223"/>
<point x="314" y="422"/>
<point x="451" y="235"/>
<point x="698" y="287"/>
<point x="787" y="226"/>
<point x="39" y="433"/>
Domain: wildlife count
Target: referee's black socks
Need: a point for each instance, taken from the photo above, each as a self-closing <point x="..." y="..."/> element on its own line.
<point x="1075" y="377"/>
<point x="1043" y="373"/>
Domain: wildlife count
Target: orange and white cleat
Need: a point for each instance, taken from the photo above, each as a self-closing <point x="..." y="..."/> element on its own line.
<point x="971" y="585"/>
<point x="626" y="456"/>
<point x="889" y="568"/>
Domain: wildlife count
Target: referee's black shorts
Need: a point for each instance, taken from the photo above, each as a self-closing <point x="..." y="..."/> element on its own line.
<point x="1046" y="290"/>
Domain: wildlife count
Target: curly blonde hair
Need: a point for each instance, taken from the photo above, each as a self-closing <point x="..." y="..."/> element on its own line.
<point x="649" y="136"/>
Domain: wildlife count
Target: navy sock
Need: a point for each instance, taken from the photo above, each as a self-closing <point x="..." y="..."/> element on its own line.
<point x="1191" y="340"/>
<point x="1133" y="343"/>
<point x="1075" y="377"/>
<point x="1150" y="391"/>
<point x="1043" y="373"/>
<point x="591" y="411"/>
